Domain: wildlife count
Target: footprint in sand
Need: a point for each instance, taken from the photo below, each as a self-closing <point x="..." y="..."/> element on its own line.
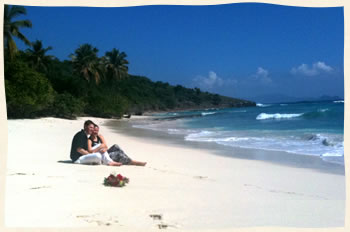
<point x="183" y="174"/>
<point x="40" y="187"/>
<point x="156" y="216"/>
<point x="286" y="192"/>
<point x="200" y="177"/>
<point x="161" y="225"/>
<point x="164" y="226"/>
<point x="96" y="218"/>
<point x="20" y="174"/>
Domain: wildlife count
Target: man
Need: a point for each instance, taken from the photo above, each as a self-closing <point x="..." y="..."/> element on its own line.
<point x="79" y="151"/>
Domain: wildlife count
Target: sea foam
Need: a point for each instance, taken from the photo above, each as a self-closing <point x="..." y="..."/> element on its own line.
<point x="263" y="116"/>
<point x="262" y="105"/>
<point x="208" y="113"/>
<point x="323" y="110"/>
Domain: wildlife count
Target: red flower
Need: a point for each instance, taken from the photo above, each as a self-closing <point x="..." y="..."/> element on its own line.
<point x="120" y="177"/>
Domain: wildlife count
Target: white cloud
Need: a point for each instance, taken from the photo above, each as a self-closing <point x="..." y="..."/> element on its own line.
<point x="262" y="72"/>
<point x="316" y="69"/>
<point x="262" y="75"/>
<point x="209" y="82"/>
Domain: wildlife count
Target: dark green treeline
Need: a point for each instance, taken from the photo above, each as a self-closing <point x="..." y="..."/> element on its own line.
<point x="39" y="85"/>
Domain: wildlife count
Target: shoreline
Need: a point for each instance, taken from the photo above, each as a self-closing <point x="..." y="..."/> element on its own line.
<point x="190" y="189"/>
<point x="271" y="156"/>
<point x="178" y="110"/>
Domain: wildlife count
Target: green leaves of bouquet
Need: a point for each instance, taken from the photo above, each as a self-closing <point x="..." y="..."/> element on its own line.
<point x="115" y="180"/>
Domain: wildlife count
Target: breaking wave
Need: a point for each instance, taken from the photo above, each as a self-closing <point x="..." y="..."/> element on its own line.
<point x="264" y="116"/>
<point x="207" y="113"/>
<point x="262" y="105"/>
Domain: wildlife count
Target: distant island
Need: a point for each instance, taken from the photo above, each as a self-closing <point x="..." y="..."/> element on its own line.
<point x="281" y="98"/>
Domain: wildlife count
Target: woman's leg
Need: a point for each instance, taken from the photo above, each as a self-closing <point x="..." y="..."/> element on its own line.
<point x="137" y="163"/>
<point x="118" y="155"/>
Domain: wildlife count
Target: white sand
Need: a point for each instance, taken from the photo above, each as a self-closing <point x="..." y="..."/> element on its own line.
<point x="189" y="188"/>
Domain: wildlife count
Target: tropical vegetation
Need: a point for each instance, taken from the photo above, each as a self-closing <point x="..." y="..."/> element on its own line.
<point x="38" y="84"/>
<point x="12" y="28"/>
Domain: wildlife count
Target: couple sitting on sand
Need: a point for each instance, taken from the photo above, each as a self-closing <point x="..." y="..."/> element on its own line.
<point x="89" y="147"/>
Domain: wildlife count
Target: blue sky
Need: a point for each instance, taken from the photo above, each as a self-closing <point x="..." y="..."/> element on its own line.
<point x="239" y="50"/>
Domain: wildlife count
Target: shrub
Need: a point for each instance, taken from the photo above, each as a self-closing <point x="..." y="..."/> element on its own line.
<point x="67" y="106"/>
<point x="28" y="92"/>
<point x="106" y="105"/>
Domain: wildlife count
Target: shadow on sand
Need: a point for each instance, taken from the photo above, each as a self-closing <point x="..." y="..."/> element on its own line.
<point x="65" y="161"/>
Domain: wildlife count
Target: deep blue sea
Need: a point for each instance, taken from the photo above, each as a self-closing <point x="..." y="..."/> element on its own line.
<point x="309" y="128"/>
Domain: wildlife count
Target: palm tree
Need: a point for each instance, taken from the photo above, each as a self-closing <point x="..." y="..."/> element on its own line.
<point x="38" y="57"/>
<point x="11" y="28"/>
<point x="86" y="62"/>
<point x="115" y="64"/>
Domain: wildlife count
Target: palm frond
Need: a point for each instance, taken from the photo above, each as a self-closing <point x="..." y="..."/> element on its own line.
<point x="23" y="23"/>
<point x="11" y="28"/>
<point x="86" y="62"/>
<point x="15" y="11"/>
<point x="23" y="38"/>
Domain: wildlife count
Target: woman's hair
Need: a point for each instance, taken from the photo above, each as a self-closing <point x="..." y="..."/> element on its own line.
<point x="95" y="126"/>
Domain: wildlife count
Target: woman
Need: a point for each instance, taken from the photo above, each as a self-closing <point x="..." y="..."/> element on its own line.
<point x="96" y="141"/>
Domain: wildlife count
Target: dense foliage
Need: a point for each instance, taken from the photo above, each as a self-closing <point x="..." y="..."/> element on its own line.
<point x="41" y="85"/>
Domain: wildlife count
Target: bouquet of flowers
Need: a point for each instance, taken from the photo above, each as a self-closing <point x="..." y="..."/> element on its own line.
<point x="116" y="180"/>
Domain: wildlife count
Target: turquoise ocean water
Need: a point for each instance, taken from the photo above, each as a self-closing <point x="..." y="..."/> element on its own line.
<point x="309" y="128"/>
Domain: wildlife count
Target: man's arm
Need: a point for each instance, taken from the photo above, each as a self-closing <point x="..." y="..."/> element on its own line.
<point x="81" y="142"/>
<point x="82" y="151"/>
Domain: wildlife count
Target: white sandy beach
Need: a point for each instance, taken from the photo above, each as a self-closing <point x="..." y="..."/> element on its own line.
<point x="191" y="189"/>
